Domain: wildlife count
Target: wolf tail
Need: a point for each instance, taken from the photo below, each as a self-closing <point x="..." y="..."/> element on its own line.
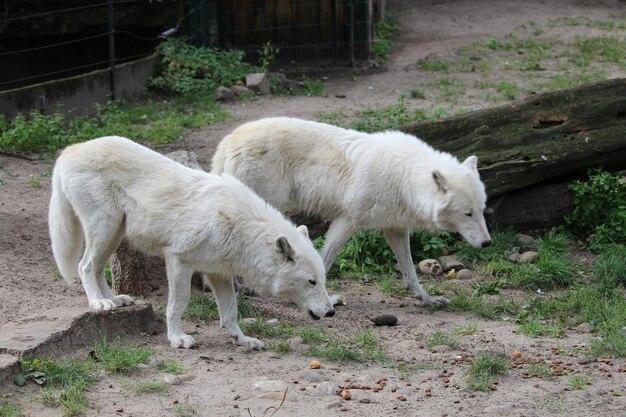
<point x="65" y="231"/>
<point x="219" y="160"/>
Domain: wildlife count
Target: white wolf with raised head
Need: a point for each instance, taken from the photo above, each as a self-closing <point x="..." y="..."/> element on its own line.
<point x="111" y="188"/>
<point x="390" y="181"/>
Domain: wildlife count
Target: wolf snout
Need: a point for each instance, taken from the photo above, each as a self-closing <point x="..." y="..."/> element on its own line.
<point x="331" y="313"/>
<point x="486" y="244"/>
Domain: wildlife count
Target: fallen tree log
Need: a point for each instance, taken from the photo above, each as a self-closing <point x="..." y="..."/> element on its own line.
<point x="548" y="137"/>
<point x="530" y="150"/>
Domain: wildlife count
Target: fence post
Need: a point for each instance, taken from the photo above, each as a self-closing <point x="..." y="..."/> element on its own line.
<point x="111" y="48"/>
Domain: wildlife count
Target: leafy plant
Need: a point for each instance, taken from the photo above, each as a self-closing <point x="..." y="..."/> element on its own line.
<point x="267" y="55"/>
<point x="599" y="214"/>
<point x="381" y="42"/>
<point x="188" y="69"/>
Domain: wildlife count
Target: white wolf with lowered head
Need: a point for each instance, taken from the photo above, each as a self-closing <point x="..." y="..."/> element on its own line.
<point x="111" y="188"/>
<point x="390" y="181"/>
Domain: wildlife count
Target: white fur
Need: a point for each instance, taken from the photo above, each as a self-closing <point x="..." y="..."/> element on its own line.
<point x="390" y="181"/>
<point x="115" y="188"/>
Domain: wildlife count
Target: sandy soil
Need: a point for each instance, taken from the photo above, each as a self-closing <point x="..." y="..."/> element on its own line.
<point x="220" y="377"/>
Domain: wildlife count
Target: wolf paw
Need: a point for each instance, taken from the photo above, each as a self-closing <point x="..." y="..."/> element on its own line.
<point x="123" y="300"/>
<point x="250" y="342"/>
<point x="182" y="341"/>
<point x="102" y="304"/>
<point x="436" y="300"/>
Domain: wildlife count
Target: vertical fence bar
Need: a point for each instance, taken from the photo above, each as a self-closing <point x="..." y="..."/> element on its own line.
<point x="333" y="14"/>
<point x="111" y="48"/>
<point x="351" y="33"/>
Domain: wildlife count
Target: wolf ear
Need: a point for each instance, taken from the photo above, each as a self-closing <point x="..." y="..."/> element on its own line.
<point x="472" y="163"/>
<point x="441" y="182"/>
<point x="283" y="247"/>
<point x="303" y="229"/>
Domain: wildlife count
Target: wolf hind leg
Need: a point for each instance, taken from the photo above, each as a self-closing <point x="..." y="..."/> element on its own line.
<point x="102" y="235"/>
<point x="399" y="241"/>
<point x="226" y="299"/>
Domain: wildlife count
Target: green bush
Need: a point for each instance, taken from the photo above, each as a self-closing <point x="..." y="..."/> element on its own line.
<point x="188" y="69"/>
<point x="599" y="215"/>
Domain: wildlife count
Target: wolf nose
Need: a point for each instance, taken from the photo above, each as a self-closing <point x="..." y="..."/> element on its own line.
<point x="331" y="313"/>
<point x="486" y="243"/>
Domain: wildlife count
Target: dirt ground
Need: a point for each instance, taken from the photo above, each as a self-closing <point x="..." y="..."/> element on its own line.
<point x="219" y="377"/>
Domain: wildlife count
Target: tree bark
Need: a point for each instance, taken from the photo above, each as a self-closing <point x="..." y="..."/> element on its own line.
<point x="548" y="138"/>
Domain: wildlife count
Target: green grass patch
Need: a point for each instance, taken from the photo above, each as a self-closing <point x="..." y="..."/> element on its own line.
<point x="203" y="307"/>
<point x="116" y="357"/>
<point x="153" y="120"/>
<point x="540" y="370"/>
<point x="260" y="328"/>
<point x="440" y="337"/>
<point x="484" y="369"/>
<point x="376" y="119"/>
<point x="381" y="41"/>
<point x="363" y="346"/>
<point x="603" y="49"/>
<point x="9" y="408"/>
<point x="579" y="381"/>
<point x="535" y="328"/>
<point x="149" y="387"/>
<point x="280" y="347"/>
<point x="467" y="330"/>
<point x="170" y="366"/>
<point x="66" y="381"/>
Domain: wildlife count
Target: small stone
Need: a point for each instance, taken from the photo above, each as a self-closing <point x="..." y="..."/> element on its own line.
<point x="464" y="274"/>
<point x="119" y="410"/>
<point x="516" y="355"/>
<point x="326" y="388"/>
<point x="365" y="401"/>
<point x="224" y="94"/>
<point x="315" y="364"/>
<point x="384" y="320"/>
<point x="240" y="90"/>
<point x="513" y="257"/>
<point x="450" y="262"/>
<point x="272" y="321"/>
<point x="401" y="397"/>
<point x="430" y="267"/>
<point x="528" y="257"/>
<point x="584" y="328"/>
<point x="442" y="348"/>
<point x="346" y="395"/>
<point x="270" y="386"/>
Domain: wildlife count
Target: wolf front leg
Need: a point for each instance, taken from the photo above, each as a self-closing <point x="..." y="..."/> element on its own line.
<point x="399" y="242"/>
<point x="224" y="292"/>
<point x="338" y="234"/>
<point x="179" y="285"/>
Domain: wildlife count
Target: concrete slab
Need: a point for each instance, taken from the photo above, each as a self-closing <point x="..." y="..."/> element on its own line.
<point x="61" y="331"/>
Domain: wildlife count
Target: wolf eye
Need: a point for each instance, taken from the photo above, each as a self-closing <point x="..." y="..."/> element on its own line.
<point x="469" y="214"/>
<point x="312" y="282"/>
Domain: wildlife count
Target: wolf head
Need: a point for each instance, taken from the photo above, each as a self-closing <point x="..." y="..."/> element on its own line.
<point x="462" y="203"/>
<point x="301" y="277"/>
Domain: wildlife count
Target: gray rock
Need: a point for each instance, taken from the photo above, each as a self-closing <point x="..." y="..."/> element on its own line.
<point x="513" y="257"/>
<point x="450" y="262"/>
<point x="258" y="83"/>
<point x="283" y="82"/>
<point x="240" y="90"/>
<point x="384" y="320"/>
<point x="526" y="240"/>
<point x="464" y="274"/>
<point x="365" y="401"/>
<point x="269" y="385"/>
<point x="528" y="257"/>
<point x="224" y="94"/>
<point x="311" y="375"/>
<point x="584" y="328"/>
<point x="442" y="348"/>
<point x="188" y="159"/>
<point x="326" y="388"/>
<point x="249" y="320"/>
